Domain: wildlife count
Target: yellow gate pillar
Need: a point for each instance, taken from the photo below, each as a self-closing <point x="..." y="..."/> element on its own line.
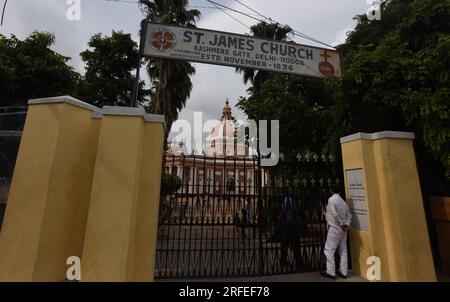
<point x="384" y="195"/>
<point x="49" y="197"/>
<point x="86" y="184"/>
<point x="120" y="240"/>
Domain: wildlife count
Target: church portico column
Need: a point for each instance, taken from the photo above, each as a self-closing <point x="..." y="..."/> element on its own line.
<point x="192" y="181"/>
<point x="180" y="176"/>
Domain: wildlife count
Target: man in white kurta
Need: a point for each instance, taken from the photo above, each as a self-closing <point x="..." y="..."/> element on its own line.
<point x="338" y="221"/>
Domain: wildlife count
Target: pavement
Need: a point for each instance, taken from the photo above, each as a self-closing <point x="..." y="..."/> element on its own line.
<point x="442" y="278"/>
<point x="302" y="277"/>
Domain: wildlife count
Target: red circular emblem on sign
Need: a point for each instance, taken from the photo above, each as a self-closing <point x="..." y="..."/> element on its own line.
<point x="326" y="69"/>
<point x="163" y="40"/>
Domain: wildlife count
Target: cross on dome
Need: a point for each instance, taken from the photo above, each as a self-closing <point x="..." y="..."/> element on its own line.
<point x="226" y="113"/>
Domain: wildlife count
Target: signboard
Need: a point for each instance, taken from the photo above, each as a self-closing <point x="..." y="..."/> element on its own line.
<point x="220" y="48"/>
<point x="357" y="199"/>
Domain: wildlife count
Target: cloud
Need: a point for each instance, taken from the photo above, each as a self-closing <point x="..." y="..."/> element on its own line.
<point x="213" y="84"/>
<point x="24" y="17"/>
<point x="341" y="36"/>
<point x="97" y="16"/>
<point x="326" y="20"/>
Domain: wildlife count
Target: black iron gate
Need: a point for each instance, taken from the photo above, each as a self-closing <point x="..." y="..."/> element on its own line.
<point x="12" y="120"/>
<point x="223" y="217"/>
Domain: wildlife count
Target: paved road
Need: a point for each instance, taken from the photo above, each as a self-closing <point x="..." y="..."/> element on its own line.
<point x="197" y="252"/>
<point x="302" y="277"/>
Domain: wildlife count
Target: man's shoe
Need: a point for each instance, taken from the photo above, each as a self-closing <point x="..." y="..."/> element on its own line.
<point x="342" y="275"/>
<point x="326" y="275"/>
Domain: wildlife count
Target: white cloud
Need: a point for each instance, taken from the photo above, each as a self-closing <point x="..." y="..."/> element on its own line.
<point x="341" y="35"/>
<point x="322" y="19"/>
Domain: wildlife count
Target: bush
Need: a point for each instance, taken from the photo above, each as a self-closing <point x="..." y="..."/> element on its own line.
<point x="169" y="185"/>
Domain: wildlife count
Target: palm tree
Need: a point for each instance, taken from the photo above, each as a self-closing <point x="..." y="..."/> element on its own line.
<point x="173" y="77"/>
<point x="273" y="31"/>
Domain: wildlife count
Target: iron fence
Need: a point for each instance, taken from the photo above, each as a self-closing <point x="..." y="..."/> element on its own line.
<point x="12" y="120"/>
<point x="226" y="219"/>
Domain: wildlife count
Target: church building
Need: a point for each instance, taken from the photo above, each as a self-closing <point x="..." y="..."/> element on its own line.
<point x="224" y="167"/>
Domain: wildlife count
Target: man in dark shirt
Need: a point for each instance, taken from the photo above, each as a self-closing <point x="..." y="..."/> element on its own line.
<point x="290" y="237"/>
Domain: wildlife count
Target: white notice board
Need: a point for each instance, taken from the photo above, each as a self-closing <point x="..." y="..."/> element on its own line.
<point x="357" y="199"/>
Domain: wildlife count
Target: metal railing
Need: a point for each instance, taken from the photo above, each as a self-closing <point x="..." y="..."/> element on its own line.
<point x="12" y="120"/>
<point x="226" y="219"/>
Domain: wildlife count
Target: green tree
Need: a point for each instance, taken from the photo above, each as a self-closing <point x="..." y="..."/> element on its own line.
<point x="174" y="86"/>
<point x="30" y="69"/>
<point x="257" y="105"/>
<point x="281" y="97"/>
<point x="396" y="78"/>
<point x="109" y="75"/>
<point x="299" y="104"/>
<point x="170" y="184"/>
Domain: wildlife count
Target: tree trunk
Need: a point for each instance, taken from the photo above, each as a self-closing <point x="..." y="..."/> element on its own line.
<point x="162" y="86"/>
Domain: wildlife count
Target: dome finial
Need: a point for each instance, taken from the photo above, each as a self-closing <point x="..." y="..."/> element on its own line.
<point x="226" y="113"/>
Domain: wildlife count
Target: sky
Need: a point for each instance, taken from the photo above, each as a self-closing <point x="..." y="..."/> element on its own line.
<point x="325" y="20"/>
